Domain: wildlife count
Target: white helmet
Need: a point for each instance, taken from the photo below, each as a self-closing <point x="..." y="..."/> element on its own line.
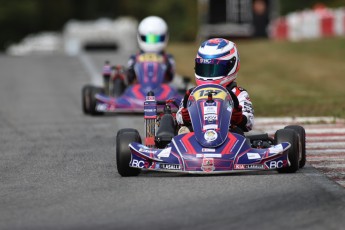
<point x="217" y="62"/>
<point x="152" y="34"/>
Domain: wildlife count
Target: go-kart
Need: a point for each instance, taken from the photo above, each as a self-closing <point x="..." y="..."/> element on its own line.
<point x="122" y="97"/>
<point x="210" y="147"/>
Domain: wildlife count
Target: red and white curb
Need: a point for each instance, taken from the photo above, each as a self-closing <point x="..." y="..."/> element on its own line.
<point x="325" y="142"/>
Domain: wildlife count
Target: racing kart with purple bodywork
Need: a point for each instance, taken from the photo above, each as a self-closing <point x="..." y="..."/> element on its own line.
<point x="210" y="147"/>
<point x="122" y="97"/>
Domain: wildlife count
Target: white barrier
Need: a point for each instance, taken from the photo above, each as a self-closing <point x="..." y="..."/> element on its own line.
<point x="309" y="24"/>
<point x="122" y="32"/>
<point x="77" y="34"/>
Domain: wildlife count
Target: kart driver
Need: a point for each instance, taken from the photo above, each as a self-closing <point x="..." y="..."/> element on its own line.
<point x="152" y="38"/>
<point x="218" y="62"/>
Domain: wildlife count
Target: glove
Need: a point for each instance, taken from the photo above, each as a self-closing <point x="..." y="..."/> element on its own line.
<point x="185" y="115"/>
<point x="237" y="116"/>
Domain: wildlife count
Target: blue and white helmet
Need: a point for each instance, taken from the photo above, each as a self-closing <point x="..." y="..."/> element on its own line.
<point x="217" y="62"/>
<point x="152" y="34"/>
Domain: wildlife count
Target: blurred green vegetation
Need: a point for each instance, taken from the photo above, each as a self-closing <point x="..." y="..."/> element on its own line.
<point x="19" y="18"/>
<point x="285" y="78"/>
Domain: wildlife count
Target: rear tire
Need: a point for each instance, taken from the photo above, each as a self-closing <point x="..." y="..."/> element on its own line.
<point x="288" y="135"/>
<point x="301" y="134"/>
<point x="123" y="154"/>
<point x="93" y="101"/>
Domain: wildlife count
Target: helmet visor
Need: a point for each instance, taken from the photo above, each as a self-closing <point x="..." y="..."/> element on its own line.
<point x="152" y="38"/>
<point x="212" y="70"/>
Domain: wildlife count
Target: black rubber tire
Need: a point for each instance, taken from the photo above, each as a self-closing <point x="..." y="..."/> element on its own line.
<point x="301" y="134"/>
<point x="93" y="102"/>
<point x="85" y="96"/>
<point x="288" y="135"/>
<point x="123" y="154"/>
<point x="118" y="87"/>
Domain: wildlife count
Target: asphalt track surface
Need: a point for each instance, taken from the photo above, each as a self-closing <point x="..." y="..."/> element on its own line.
<point x="58" y="170"/>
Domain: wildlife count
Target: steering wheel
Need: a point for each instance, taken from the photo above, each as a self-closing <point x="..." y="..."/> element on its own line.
<point x="235" y="99"/>
<point x="232" y="94"/>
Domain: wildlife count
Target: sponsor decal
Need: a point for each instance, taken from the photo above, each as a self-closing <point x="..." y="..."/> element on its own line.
<point x="207" y="150"/>
<point x="276" y="149"/>
<point x="276" y="164"/>
<point x="238" y="166"/>
<point x="169" y="166"/>
<point x="210" y="110"/>
<point x="101" y="107"/>
<point x="210" y="135"/>
<point x="165" y="152"/>
<point x="255" y="166"/>
<point x="150" y="98"/>
<point x="249" y="166"/>
<point x="145" y="150"/>
<point x="207" y="165"/>
<point x="206" y="61"/>
<point x="210" y="126"/>
<point x="253" y="156"/>
<point x="210" y="117"/>
<point x="150" y="57"/>
<point x="150" y="110"/>
<point x="202" y="155"/>
<point x="137" y="164"/>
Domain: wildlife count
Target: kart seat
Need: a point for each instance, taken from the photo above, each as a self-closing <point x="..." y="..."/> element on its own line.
<point x="260" y="140"/>
<point x="166" y="131"/>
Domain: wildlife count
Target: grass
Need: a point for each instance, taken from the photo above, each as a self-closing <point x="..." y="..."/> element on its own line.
<point x="304" y="78"/>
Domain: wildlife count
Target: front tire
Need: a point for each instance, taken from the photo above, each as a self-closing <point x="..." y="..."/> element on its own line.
<point x="85" y="96"/>
<point x="123" y="154"/>
<point x="301" y="134"/>
<point x="288" y="135"/>
<point x="93" y="100"/>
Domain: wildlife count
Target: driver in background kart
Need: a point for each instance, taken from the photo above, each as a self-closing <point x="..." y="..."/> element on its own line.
<point x="218" y="62"/>
<point x="152" y="38"/>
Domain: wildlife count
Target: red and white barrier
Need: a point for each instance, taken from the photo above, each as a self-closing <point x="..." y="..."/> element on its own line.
<point x="309" y="24"/>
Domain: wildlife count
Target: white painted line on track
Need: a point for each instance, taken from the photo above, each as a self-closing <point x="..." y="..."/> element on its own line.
<point x="327" y="158"/>
<point x="280" y="120"/>
<point x="326" y="130"/>
<point x="96" y="78"/>
<point x="272" y="130"/>
<point x="325" y="151"/>
<point x="329" y="166"/>
<point x="325" y="138"/>
<point x="325" y="145"/>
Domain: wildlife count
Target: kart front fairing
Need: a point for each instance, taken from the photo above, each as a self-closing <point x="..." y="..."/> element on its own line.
<point x="133" y="99"/>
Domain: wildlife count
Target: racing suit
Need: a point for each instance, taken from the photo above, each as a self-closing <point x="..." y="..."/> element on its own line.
<point x="107" y="70"/>
<point x="247" y="112"/>
<point x="169" y="61"/>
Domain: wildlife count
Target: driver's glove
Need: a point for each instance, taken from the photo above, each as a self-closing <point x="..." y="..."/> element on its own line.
<point x="237" y="116"/>
<point x="185" y="115"/>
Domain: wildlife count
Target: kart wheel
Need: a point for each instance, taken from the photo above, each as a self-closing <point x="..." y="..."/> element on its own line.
<point x="288" y="135"/>
<point x="301" y="134"/>
<point x="123" y="154"/>
<point x="93" y="101"/>
<point x="118" y="87"/>
<point x="85" y="96"/>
